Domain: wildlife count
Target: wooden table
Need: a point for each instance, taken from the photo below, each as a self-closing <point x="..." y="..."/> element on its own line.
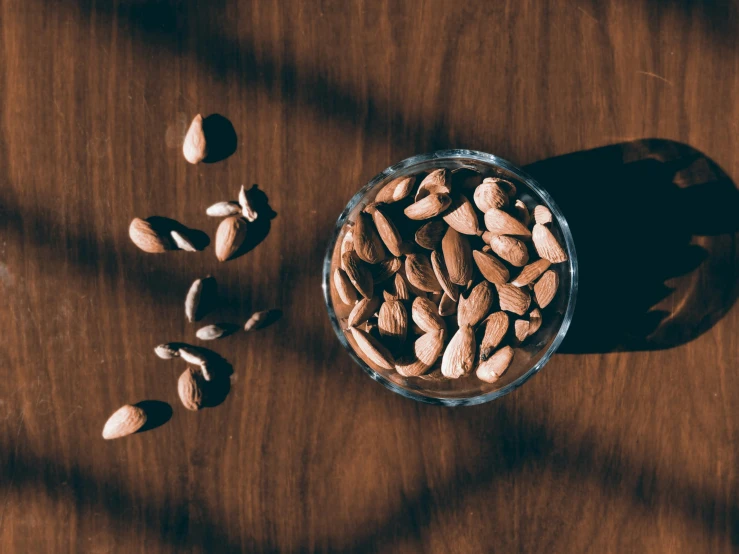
<point x="626" y="442"/>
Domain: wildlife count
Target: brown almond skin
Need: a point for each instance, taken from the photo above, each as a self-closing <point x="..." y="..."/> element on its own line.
<point x="447" y="306"/>
<point x="522" y="212"/>
<point x="461" y="215"/>
<point x="190" y="389"/>
<point x="492" y="369"/>
<point x="386" y="269"/>
<point x="457" y="256"/>
<point x="424" y="314"/>
<point x="546" y="288"/>
<point x="125" y="421"/>
<point x="510" y="249"/>
<point x="491" y="268"/>
<point x="531" y="272"/>
<point x="393" y="321"/>
<point x="473" y="308"/>
<point x="535" y="321"/>
<point x="489" y="196"/>
<point x="396" y="190"/>
<point x="146" y="238"/>
<point x="459" y="356"/>
<point x="436" y="182"/>
<point x="230" y="236"/>
<point x="499" y="222"/>
<point x="358" y="274"/>
<point x="547" y="246"/>
<point x="513" y="299"/>
<point x="428" y="207"/>
<point x="363" y="310"/>
<point x="388" y="231"/>
<point x="373" y="349"/>
<point x="420" y="273"/>
<point x="494" y="328"/>
<point x="542" y="215"/>
<point x="442" y="275"/>
<point x="367" y="242"/>
<point x="426" y="350"/>
<point x="344" y="288"/>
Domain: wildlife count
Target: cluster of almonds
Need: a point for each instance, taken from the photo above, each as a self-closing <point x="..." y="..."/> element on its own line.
<point x="383" y="274"/>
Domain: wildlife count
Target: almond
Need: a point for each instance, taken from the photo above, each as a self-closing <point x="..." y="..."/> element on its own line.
<point x="385" y="269"/>
<point x="215" y="331"/>
<point x="194" y="148"/>
<point x="428" y="207"/>
<point x="424" y="314"/>
<point x="461" y="216"/>
<point x="495" y="366"/>
<point x="182" y="242"/>
<point x="531" y="272"/>
<point x="521" y="330"/>
<point x="347" y="244"/>
<point x="395" y="190"/>
<point x="223" y="209"/>
<point x="393" y="321"/>
<point x="388" y="231"/>
<point x="507" y="187"/>
<point x="358" y="274"/>
<point x="190" y="389"/>
<point x="426" y="350"/>
<point x="510" y="249"/>
<point x="491" y="268"/>
<point x="535" y="321"/>
<point x="513" y="299"/>
<point x="246" y="207"/>
<point x="494" y="328"/>
<point x="126" y="420"/>
<point x="430" y="234"/>
<point x="146" y="238"/>
<point x="499" y="222"/>
<point x="546" y="287"/>
<point x="547" y="245"/>
<point x="521" y="212"/>
<point x="168" y="350"/>
<point x="196" y="356"/>
<point x="373" y="349"/>
<point x="367" y="242"/>
<point x="229" y="237"/>
<point x="200" y="299"/>
<point x="436" y="182"/>
<point x="363" y="310"/>
<point x="542" y="215"/>
<point x="344" y="287"/>
<point x="260" y="319"/>
<point x="489" y="196"/>
<point x="475" y="306"/>
<point x="457" y="256"/>
<point x="442" y="275"/>
<point x="447" y="306"/>
<point x="459" y="356"/>
<point x="420" y="274"/>
<point x="397" y="289"/>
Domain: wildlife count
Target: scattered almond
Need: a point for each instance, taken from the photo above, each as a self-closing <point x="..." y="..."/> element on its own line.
<point x="168" y="351"/>
<point x="499" y="222"/>
<point x="459" y="356"/>
<point x="442" y="275"/>
<point x="125" y="421"/>
<point x="542" y="215"/>
<point x="420" y="274"/>
<point x="260" y="319"/>
<point x="215" y="331"/>
<point x="190" y="389"/>
<point x="491" y="268"/>
<point x="363" y="310"/>
<point x="196" y="356"/>
<point x="367" y="242"/>
<point x="547" y="245"/>
<point x="473" y="308"/>
<point x="223" y="209"/>
<point x="510" y="249"/>
<point x="457" y="256"/>
<point x="395" y="190"/>
<point x="358" y="273"/>
<point x="424" y="314"/>
<point x="492" y="369"/>
<point x="230" y="236"/>
<point x="146" y="238"/>
<point x="494" y="329"/>
<point x="513" y="299"/>
<point x="388" y="231"/>
<point x="373" y="349"/>
<point x="246" y="208"/>
<point x="200" y="298"/>
<point x="182" y="242"/>
<point x="194" y="148"/>
<point x="546" y="287"/>
<point x="428" y="207"/>
<point x="461" y="216"/>
<point x="489" y="196"/>
<point x="531" y="272"/>
<point x="344" y="287"/>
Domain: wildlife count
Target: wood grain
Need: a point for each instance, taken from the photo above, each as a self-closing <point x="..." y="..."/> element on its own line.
<point x="619" y="447"/>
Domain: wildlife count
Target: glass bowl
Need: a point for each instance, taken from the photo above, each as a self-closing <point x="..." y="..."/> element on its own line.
<point x="536" y="350"/>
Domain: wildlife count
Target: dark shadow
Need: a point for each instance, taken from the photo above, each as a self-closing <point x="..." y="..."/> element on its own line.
<point x="257" y="230"/>
<point x="273" y="316"/>
<point x="220" y="136"/>
<point x="654" y="224"/>
<point x="165" y="225"/>
<point x="216" y="390"/>
<point x="157" y="414"/>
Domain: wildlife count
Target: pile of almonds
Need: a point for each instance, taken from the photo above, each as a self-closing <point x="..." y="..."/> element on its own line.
<point x="421" y="249"/>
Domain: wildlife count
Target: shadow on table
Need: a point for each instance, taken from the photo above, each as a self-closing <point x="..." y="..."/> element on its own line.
<point x="654" y="223"/>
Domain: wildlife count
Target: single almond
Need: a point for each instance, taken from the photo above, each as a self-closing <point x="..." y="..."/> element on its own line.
<point x="430" y="234"/>
<point x="395" y="190"/>
<point x="535" y="321"/>
<point x="494" y="329"/>
<point x="397" y="289"/>
<point x="542" y="215"/>
<point x="489" y="196"/>
<point x="426" y="350"/>
<point x="486" y="237"/>
<point x="200" y="299"/>
<point x="146" y="238"/>
<point x="499" y="222"/>
<point x="125" y="421"/>
<point x="546" y="287"/>
<point x="521" y="330"/>
<point x="223" y="209"/>
<point x="420" y="274"/>
<point x="367" y="242"/>
<point x="393" y="321"/>
<point x="168" y="350"/>
<point x="457" y="256"/>
<point x="215" y="331"/>
<point x="442" y="275"/>
<point x="373" y="349"/>
<point x="513" y="299"/>
<point x="424" y="314"/>
<point x="436" y="182"/>
<point x="459" y="356"/>
<point x="196" y="356"/>
<point x="511" y="249"/>
<point x="531" y="272"/>
<point x="521" y="212"/>
<point x="473" y="307"/>
<point x="230" y="236"/>
<point x="507" y="187"/>
<point x="461" y="215"/>
<point x="363" y="310"/>
<point x="344" y="288"/>
<point x="190" y="389"/>
<point x="485" y="248"/>
<point x="358" y="273"/>
<point x="347" y="244"/>
<point x="194" y="148"/>
<point x="414" y="291"/>
<point x="547" y="245"/>
<point x="388" y="231"/>
<point x="246" y="206"/>
<point x="447" y="306"/>
<point x="491" y="267"/>
<point x="385" y="269"/>
<point x="261" y="319"/>
<point x="428" y="207"/>
<point x="182" y="242"/>
<point x="495" y="366"/>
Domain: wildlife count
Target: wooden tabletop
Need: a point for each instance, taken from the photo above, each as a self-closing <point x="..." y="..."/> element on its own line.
<point x="627" y="441"/>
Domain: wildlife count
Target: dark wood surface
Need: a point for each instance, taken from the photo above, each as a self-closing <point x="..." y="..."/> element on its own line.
<point x="629" y="442"/>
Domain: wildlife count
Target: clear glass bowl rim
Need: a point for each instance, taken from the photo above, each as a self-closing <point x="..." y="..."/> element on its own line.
<point x="451" y="155"/>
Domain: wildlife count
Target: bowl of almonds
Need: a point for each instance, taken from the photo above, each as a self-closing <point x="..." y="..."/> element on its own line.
<point x="451" y="277"/>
